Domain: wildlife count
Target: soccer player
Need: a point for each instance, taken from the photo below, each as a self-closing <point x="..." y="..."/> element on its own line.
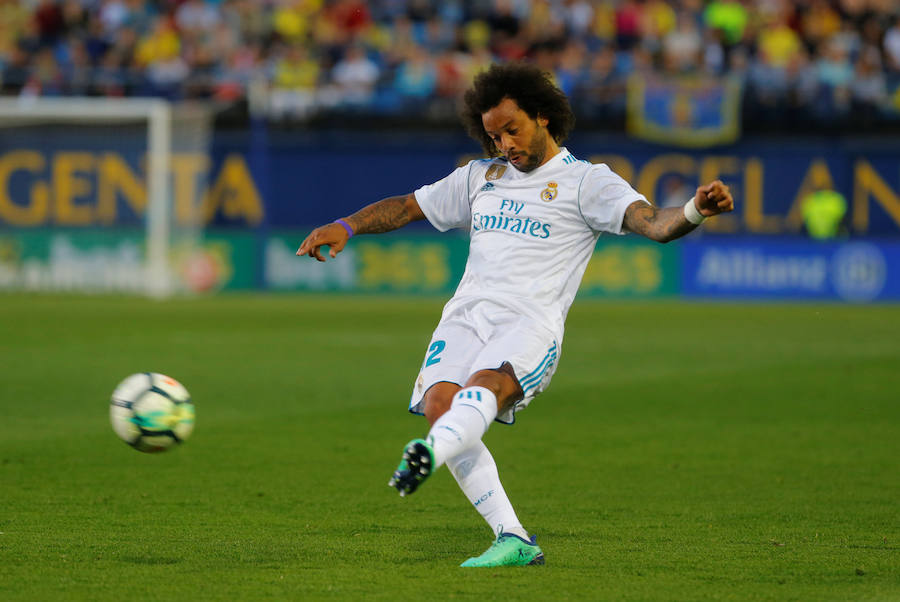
<point x="534" y="213"/>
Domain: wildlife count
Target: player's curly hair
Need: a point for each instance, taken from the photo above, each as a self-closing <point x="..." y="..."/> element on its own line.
<point x="531" y="89"/>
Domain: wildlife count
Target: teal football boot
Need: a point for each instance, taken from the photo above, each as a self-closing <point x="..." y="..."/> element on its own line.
<point x="509" y="550"/>
<point x="415" y="466"/>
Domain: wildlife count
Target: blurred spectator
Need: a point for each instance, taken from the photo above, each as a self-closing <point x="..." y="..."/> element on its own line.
<point x="777" y="42"/>
<point x="351" y="18"/>
<point x="803" y="88"/>
<point x="892" y="45"/>
<point x="416" y="79"/>
<point x="294" y="80"/>
<point x="354" y="78"/>
<point x="438" y="36"/>
<point x="237" y="73"/>
<point x="572" y="62"/>
<point x="869" y="87"/>
<point x="196" y="16"/>
<point x="30" y="37"/>
<point x="13" y="16"/>
<point x="78" y="73"/>
<point x="15" y="71"/>
<point x="202" y="70"/>
<point x="159" y="54"/>
<point x="481" y="59"/>
<point x="505" y="27"/>
<point x="819" y="22"/>
<point x="165" y="77"/>
<point x="603" y="30"/>
<point x="96" y="42"/>
<point x="160" y="44"/>
<point x="728" y="16"/>
<point x="113" y="15"/>
<point x="578" y="17"/>
<point x="658" y="20"/>
<point x="503" y="19"/>
<point x="74" y="17"/>
<point x="628" y="24"/>
<point x="713" y="52"/>
<point x="450" y="73"/>
<point x="767" y="87"/>
<point x="49" y="19"/>
<point x="682" y="45"/>
<point x="835" y="75"/>
<point x="110" y="77"/>
<point x="823" y="213"/>
<point x="251" y="24"/>
<point x="45" y="79"/>
<point x="601" y="94"/>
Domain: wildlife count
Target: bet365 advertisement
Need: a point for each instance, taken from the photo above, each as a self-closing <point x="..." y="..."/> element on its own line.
<point x="433" y="264"/>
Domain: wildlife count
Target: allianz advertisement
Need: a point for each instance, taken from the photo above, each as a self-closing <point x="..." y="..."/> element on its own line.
<point x="856" y="271"/>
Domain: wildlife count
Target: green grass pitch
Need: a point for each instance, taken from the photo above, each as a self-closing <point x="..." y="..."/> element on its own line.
<point x="683" y="452"/>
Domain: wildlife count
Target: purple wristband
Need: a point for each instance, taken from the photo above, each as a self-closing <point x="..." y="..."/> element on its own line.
<point x="346" y="227"/>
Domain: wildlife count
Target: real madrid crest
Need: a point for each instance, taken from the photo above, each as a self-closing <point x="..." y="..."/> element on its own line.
<point x="549" y="193"/>
<point x="495" y="172"/>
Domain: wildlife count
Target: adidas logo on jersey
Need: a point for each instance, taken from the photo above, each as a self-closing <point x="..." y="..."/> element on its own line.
<point x="488" y="186"/>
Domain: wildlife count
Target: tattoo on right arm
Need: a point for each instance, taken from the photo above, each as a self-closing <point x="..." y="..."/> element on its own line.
<point x="385" y="215"/>
<point x="662" y="225"/>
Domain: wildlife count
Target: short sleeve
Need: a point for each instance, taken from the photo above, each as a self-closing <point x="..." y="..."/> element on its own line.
<point x="446" y="203"/>
<point x="603" y="198"/>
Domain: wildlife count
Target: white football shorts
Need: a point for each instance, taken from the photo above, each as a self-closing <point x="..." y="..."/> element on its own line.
<point x="483" y="336"/>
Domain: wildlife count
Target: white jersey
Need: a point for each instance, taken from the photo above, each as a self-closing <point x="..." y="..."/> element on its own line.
<point x="532" y="234"/>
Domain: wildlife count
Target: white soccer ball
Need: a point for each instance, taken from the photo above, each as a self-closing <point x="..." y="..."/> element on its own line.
<point x="151" y="412"/>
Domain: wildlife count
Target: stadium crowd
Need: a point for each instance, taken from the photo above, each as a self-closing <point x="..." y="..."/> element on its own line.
<point x="799" y="61"/>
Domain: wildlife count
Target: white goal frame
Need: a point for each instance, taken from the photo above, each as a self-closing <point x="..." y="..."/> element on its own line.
<point x="158" y="114"/>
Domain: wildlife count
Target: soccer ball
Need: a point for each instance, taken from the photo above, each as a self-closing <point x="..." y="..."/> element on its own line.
<point x="151" y="412"/>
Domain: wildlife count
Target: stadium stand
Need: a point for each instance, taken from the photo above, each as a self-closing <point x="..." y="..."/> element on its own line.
<point x="802" y="64"/>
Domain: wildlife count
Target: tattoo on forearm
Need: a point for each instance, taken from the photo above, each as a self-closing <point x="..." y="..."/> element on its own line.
<point x="658" y="224"/>
<point x="383" y="216"/>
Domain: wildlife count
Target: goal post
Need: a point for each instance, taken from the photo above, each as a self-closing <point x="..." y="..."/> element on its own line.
<point x="167" y="127"/>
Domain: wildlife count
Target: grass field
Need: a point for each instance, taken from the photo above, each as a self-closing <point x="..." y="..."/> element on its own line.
<point x="683" y="452"/>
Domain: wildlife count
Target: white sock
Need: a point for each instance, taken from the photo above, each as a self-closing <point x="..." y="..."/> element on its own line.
<point x="471" y="413"/>
<point x="476" y="473"/>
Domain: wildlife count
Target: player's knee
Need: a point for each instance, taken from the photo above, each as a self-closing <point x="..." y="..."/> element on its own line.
<point x="500" y="382"/>
<point x="438" y="400"/>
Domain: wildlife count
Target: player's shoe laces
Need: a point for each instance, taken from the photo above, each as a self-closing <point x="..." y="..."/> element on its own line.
<point x="415" y="466"/>
<point x="509" y="550"/>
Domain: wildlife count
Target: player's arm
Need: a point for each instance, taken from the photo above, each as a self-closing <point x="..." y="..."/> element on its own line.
<point x="385" y="215"/>
<point x="667" y="224"/>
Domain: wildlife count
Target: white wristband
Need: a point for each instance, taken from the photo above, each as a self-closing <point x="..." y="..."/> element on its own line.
<point x="691" y="214"/>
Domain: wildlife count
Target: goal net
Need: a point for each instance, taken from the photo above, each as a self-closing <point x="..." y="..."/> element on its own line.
<point x="88" y="193"/>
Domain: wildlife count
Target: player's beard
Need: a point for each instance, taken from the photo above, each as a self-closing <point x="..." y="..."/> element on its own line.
<point x="537" y="150"/>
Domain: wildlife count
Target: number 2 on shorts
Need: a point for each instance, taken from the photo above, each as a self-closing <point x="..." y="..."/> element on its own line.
<point x="434" y="351"/>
